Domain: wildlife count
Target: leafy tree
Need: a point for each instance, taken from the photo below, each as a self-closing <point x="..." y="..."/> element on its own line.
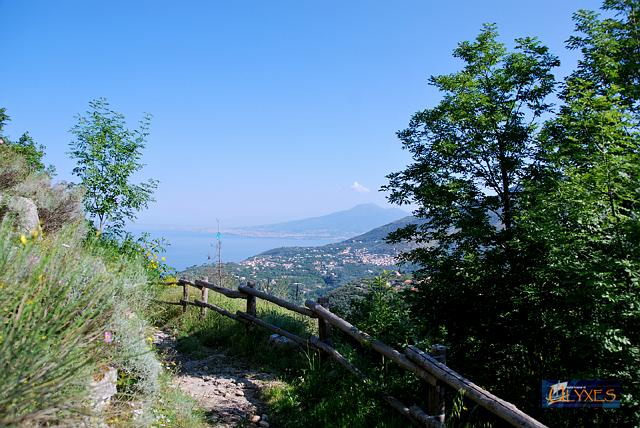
<point x="536" y="276"/>
<point x="4" y="118"/>
<point x="471" y="150"/>
<point x="581" y="225"/>
<point x="471" y="155"/>
<point x="25" y="146"/>
<point x="108" y="154"/>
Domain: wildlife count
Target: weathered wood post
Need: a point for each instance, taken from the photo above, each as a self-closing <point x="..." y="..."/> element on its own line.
<point x="204" y="296"/>
<point x="251" y="302"/>
<point x="185" y="296"/>
<point x="324" y="328"/>
<point x="435" y="405"/>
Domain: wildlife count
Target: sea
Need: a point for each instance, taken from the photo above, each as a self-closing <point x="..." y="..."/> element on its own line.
<point x="192" y="248"/>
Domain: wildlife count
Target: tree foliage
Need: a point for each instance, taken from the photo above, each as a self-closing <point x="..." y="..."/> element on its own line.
<point x="108" y="154"/>
<point x="470" y="152"/>
<point x="581" y="222"/>
<point x="530" y="262"/>
<point x="25" y="146"/>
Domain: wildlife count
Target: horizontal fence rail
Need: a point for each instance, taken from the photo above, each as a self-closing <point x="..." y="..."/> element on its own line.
<point x="429" y="367"/>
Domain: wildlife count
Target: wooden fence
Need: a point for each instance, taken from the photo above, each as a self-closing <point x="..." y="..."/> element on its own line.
<point x="430" y="367"/>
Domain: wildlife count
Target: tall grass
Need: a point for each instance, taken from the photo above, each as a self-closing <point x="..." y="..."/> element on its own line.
<point x="58" y="296"/>
<point x="55" y="301"/>
<point x="196" y="336"/>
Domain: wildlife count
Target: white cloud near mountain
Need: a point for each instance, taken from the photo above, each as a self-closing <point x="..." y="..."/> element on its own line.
<point x="357" y="187"/>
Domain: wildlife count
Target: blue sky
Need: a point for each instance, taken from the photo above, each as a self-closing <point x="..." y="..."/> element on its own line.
<point x="264" y="111"/>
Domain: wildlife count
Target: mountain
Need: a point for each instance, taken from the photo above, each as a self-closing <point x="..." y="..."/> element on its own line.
<point x="372" y="242"/>
<point x="338" y="225"/>
<point x="318" y="269"/>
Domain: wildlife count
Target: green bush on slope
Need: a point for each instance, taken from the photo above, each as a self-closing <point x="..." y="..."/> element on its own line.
<point x="61" y="290"/>
<point x="55" y="302"/>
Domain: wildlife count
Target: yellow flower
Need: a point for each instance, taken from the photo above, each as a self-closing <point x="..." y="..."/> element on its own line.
<point x="23" y="239"/>
<point x="163" y="259"/>
<point x="34" y="233"/>
<point x="43" y="337"/>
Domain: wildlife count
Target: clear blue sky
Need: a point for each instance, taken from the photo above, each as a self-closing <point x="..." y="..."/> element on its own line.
<point x="263" y="111"/>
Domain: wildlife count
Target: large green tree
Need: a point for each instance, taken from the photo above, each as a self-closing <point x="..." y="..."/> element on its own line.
<point x="581" y="225"/>
<point x="531" y="256"/>
<point x="471" y="151"/>
<point x="108" y="154"/>
<point x="471" y="155"/>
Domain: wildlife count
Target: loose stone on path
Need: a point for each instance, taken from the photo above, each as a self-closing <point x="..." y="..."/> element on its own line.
<point x="226" y="389"/>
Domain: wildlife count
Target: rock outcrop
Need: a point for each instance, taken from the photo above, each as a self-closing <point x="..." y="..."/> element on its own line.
<point x="23" y="209"/>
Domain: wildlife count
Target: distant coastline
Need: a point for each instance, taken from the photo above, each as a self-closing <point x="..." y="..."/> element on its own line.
<point x="190" y="248"/>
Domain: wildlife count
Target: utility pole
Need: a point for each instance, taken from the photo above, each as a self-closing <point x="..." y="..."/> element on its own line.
<point x="219" y="250"/>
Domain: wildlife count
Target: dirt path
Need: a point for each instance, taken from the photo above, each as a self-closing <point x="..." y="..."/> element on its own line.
<point x="228" y="390"/>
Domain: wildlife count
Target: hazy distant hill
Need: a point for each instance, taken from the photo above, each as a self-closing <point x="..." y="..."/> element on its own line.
<point x="372" y="241"/>
<point x="338" y="225"/>
<point x="320" y="268"/>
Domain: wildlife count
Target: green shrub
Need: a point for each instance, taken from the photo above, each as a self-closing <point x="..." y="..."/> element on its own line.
<point x="62" y="288"/>
<point x="56" y="301"/>
<point x="58" y="297"/>
<point x="58" y="205"/>
<point x="13" y="167"/>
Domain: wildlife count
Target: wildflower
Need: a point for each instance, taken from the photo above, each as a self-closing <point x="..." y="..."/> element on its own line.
<point x="163" y="258"/>
<point x="108" y="337"/>
<point x="23" y="239"/>
<point x="34" y="233"/>
<point x="43" y="337"/>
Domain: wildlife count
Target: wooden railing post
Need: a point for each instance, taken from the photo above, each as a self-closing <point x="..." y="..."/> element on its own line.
<point x="324" y="328"/>
<point x="185" y="296"/>
<point x="205" y="298"/>
<point x="436" y="398"/>
<point x="251" y="302"/>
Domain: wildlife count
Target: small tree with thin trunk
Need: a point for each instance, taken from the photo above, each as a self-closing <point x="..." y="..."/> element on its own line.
<point x="108" y="154"/>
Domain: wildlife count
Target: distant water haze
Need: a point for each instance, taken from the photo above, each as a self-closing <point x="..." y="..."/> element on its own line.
<point x="189" y="248"/>
<point x="196" y="246"/>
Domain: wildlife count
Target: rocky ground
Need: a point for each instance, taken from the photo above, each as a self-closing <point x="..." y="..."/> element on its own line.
<point x="224" y="387"/>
